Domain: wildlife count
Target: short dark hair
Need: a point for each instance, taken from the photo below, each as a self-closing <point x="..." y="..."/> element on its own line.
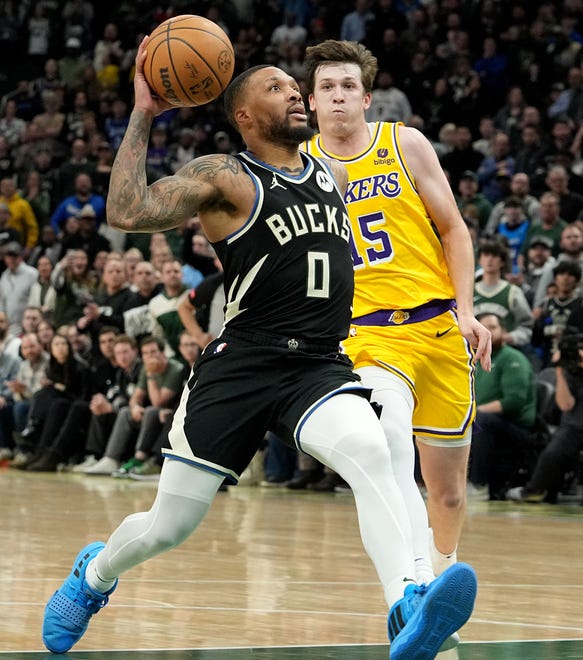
<point x="106" y="329"/>
<point x="151" y="339"/>
<point x="495" y="248"/>
<point x="235" y="90"/>
<point x="569" y="267"/>
<point x="513" y="201"/>
<point x="125" y="339"/>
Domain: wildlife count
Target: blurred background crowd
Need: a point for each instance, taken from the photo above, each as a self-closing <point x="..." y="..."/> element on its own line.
<point x="496" y="86"/>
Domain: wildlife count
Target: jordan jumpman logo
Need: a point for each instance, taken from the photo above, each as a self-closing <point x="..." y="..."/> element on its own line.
<point x="275" y="183"/>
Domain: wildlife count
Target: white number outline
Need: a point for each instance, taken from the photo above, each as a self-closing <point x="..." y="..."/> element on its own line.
<point x="318" y="263"/>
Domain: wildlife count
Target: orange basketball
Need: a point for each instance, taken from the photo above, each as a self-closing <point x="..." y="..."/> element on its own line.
<point x="189" y="60"/>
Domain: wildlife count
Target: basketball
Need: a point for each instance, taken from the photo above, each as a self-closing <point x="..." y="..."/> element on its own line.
<point x="189" y="61"/>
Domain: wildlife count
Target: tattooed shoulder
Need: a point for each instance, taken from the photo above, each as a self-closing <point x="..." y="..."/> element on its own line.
<point x="209" y="167"/>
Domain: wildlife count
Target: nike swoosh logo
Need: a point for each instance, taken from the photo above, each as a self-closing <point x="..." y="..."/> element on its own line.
<point x="440" y="334"/>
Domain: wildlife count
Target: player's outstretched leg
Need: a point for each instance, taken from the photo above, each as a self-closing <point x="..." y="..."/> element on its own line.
<point x="69" y="609"/>
<point x="419" y="623"/>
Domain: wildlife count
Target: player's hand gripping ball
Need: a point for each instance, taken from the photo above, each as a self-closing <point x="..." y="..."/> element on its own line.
<point x="189" y="61"/>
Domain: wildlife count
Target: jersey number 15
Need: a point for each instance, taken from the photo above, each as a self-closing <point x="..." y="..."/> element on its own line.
<point x="372" y="233"/>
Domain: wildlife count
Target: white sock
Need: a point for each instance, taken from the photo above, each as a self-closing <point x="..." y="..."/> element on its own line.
<point x="396" y="590"/>
<point x="94" y="581"/>
<point x="440" y="561"/>
<point x="424" y="570"/>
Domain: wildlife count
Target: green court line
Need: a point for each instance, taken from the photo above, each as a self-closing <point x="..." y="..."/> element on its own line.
<point x="555" y="650"/>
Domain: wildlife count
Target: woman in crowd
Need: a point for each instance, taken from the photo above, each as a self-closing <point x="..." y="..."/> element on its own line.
<point x="66" y="380"/>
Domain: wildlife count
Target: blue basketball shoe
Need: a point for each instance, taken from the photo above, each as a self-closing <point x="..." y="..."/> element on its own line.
<point x="69" y="609"/>
<point x="427" y="615"/>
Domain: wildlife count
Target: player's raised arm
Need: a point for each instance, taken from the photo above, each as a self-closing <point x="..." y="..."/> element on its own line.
<point x="134" y="206"/>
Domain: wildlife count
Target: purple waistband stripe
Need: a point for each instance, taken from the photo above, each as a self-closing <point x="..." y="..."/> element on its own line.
<point x="405" y="316"/>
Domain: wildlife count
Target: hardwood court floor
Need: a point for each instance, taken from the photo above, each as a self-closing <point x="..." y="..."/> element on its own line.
<point x="272" y="574"/>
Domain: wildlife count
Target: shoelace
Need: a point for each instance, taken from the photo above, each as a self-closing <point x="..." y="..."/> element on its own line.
<point x="94" y="604"/>
<point x="401" y="614"/>
<point x="419" y="590"/>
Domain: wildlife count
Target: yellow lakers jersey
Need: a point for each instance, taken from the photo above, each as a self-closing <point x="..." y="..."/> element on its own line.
<point x="398" y="259"/>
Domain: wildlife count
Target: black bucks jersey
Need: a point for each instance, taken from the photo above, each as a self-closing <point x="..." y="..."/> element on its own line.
<point x="288" y="270"/>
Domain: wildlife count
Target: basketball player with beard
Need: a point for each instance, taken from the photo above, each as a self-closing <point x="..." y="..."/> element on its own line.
<point x="279" y="226"/>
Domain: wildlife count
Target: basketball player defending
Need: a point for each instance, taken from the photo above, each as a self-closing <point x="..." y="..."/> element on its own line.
<point x="413" y="335"/>
<point x="279" y="225"/>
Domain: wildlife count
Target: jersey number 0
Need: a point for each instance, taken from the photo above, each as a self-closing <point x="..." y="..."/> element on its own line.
<point x="318" y="285"/>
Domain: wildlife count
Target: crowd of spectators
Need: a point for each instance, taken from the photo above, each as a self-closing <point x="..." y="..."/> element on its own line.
<point x="497" y="88"/>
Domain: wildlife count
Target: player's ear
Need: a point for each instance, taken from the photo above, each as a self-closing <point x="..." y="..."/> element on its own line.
<point x="366" y="101"/>
<point x="311" y="102"/>
<point x="242" y="115"/>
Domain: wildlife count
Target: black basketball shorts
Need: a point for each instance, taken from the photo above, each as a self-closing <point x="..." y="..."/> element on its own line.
<point x="240" y="389"/>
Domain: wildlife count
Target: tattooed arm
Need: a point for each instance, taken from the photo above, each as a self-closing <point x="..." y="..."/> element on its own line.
<point x="134" y="206"/>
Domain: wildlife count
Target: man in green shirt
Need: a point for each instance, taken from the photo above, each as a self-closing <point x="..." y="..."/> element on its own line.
<point x="495" y="295"/>
<point x="506" y="410"/>
<point x="159" y="384"/>
<point x="163" y="307"/>
<point x="551" y="224"/>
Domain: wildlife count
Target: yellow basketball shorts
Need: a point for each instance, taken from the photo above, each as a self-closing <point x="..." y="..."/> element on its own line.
<point x="435" y="361"/>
